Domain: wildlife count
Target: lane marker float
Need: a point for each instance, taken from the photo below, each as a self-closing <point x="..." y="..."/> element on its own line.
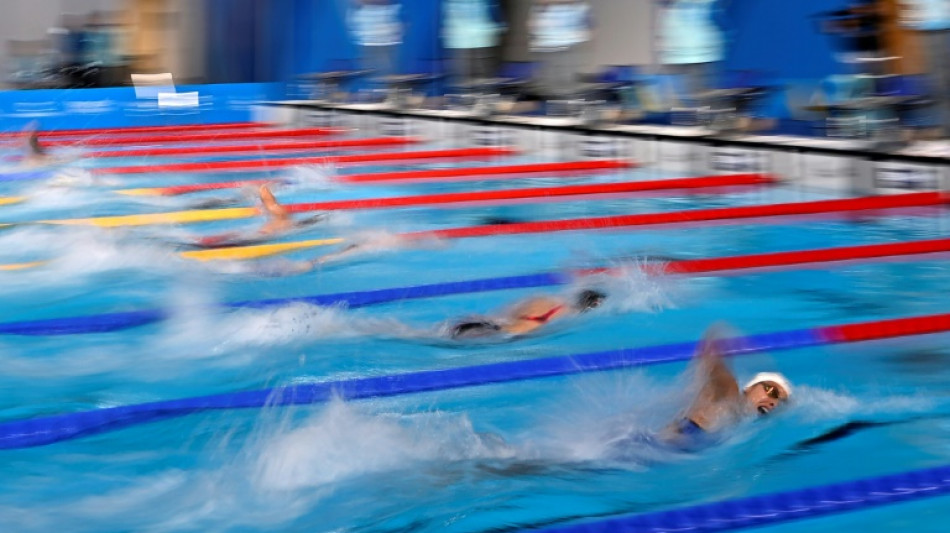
<point x="696" y="185"/>
<point x="45" y="430"/>
<point x="411" y="176"/>
<point x="355" y="299"/>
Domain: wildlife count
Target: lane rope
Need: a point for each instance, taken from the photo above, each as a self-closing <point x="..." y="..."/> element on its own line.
<point x="192" y="137"/>
<point x="267" y="164"/>
<point x="698" y="185"/>
<point x="408" y="176"/>
<point x="779" y="507"/>
<point x="50" y="429"/>
<point x="864" y="206"/>
<point x="52" y="134"/>
<point x="355" y="299"/>
<point x="257" y="148"/>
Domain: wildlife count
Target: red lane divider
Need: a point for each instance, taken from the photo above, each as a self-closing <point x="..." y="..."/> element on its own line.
<point x="772" y="260"/>
<point x="49" y="134"/>
<point x="530" y="168"/>
<point x="188" y="137"/>
<point x="883" y="329"/>
<point x="804" y="257"/>
<point x="686" y="184"/>
<point x="255" y="148"/>
<point x="265" y="164"/>
<point x="175" y="190"/>
<point x="412" y="175"/>
<point x="923" y="199"/>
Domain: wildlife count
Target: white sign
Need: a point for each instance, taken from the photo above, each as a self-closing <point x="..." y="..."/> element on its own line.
<point x="178" y="100"/>
<point x="395" y="126"/>
<point x="894" y="175"/>
<point x="151" y="86"/>
<point x="676" y="156"/>
<point x="320" y="119"/>
<point x="492" y="136"/>
<point x="602" y="147"/>
<point x="828" y="171"/>
<point x="737" y="160"/>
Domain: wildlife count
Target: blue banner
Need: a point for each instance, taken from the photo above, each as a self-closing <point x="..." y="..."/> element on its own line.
<point x="120" y="107"/>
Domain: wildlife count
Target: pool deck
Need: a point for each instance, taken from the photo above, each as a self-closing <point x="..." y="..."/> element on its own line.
<point x="853" y="166"/>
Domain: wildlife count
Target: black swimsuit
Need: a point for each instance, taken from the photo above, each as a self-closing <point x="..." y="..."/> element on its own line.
<point x="474" y="329"/>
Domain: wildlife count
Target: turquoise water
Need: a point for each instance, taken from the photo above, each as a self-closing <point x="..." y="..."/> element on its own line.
<point x="499" y="457"/>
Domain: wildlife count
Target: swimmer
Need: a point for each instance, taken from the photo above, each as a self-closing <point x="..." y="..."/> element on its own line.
<point x="35" y="154"/>
<point x="290" y="268"/>
<point x="527" y="316"/>
<point x="718" y="402"/>
<point x="367" y="246"/>
<point x="278" y="222"/>
<point x="279" y="218"/>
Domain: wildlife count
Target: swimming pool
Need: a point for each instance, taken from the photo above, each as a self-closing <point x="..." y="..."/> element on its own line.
<point x="511" y="456"/>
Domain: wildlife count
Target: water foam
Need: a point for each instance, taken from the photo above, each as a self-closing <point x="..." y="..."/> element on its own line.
<point x="344" y="442"/>
<point x="319" y="176"/>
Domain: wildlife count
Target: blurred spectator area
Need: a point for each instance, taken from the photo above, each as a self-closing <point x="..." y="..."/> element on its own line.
<point x="898" y="41"/>
<point x="98" y="43"/>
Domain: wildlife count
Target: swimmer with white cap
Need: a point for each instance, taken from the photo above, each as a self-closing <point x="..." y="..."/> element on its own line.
<point x="718" y="402"/>
<point x="774" y="390"/>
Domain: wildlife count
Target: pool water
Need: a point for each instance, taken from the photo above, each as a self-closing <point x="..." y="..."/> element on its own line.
<point x="510" y="456"/>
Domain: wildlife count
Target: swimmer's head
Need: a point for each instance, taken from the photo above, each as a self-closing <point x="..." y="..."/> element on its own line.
<point x="589" y="299"/>
<point x="34" y="143"/>
<point x="766" y="391"/>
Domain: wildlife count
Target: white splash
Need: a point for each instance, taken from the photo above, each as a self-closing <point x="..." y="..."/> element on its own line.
<point x="314" y="176"/>
<point x="814" y="404"/>
<point x="633" y="286"/>
<point x="342" y="442"/>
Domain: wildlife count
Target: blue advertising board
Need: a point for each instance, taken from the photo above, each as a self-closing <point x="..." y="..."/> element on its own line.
<point x="120" y="107"/>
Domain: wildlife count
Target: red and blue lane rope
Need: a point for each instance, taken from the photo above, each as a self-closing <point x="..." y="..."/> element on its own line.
<point x="108" y="322"/>
<point x="45" y="430"/>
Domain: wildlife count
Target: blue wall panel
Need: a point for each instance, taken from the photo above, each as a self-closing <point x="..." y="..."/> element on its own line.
<point x="278" y="40"/>
<point x="780" y="38"/>
<point x="118" y="107"/>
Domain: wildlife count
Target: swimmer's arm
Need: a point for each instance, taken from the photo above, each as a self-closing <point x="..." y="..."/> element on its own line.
<point x="520" y="327"/>
<point x="272" y="208"/>
<point x="333" y="256"/>
<point x="533" y="307"/>
<point x="523" y="319"/>
<point x="718" y="388"/>
<point x="720" y="380"/>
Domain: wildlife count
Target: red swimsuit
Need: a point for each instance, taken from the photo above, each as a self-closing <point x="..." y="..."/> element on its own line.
<point x="544" y="317"/>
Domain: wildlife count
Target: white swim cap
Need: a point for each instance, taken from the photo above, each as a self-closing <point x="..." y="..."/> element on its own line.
<point x="774" y="377"/>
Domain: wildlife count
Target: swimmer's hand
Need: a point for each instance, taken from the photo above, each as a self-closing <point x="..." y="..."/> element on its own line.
<point x="280" y="268"/>
<point x="349" y="250"/>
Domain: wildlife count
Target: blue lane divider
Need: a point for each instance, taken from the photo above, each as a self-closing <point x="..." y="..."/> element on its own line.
<point x="83" y="324"/>
<point x="123" y="320"/>
<point x="50" y="429"/>
<point x="778" y="507"/>
<point x="27" y="174"/>
<point x="378" y="296"/>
